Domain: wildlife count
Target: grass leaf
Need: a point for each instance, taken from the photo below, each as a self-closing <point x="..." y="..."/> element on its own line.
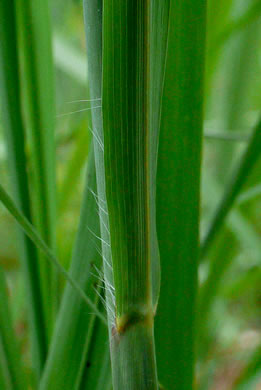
<point x="39" y="97"/>
<point x="178" y="192"/>
<point x="97" y="375"/>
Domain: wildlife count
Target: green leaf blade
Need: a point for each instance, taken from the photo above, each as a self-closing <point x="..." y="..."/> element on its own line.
<point x="38" y="93"/>
<point x="178" y="182"/>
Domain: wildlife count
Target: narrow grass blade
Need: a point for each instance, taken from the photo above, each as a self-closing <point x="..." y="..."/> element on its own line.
<point x="97" y="372"/>
<point x="248" y="161"/>
<point x="178" y="183"/>
<point x="75" y="322"/>
<point x="93" y="30"/>
<point x="38" y="93"/>
<point x="15" y="137"/>
<point x="29" y="229"/>
<point x="93" y="10"/>
<point x="9" y="341"/>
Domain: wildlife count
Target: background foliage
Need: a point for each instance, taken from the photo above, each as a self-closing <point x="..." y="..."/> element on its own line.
<point x="230" y="276"/>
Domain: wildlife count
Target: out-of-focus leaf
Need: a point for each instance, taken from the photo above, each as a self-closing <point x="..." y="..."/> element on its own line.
<point x="9" y="346"/>
<point x="240" y="176"/>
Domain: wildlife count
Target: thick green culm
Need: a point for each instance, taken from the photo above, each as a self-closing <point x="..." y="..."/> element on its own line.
<point x="126" y="88"/>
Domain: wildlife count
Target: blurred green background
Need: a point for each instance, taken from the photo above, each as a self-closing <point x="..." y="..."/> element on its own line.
<point x="231" y="329"/>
